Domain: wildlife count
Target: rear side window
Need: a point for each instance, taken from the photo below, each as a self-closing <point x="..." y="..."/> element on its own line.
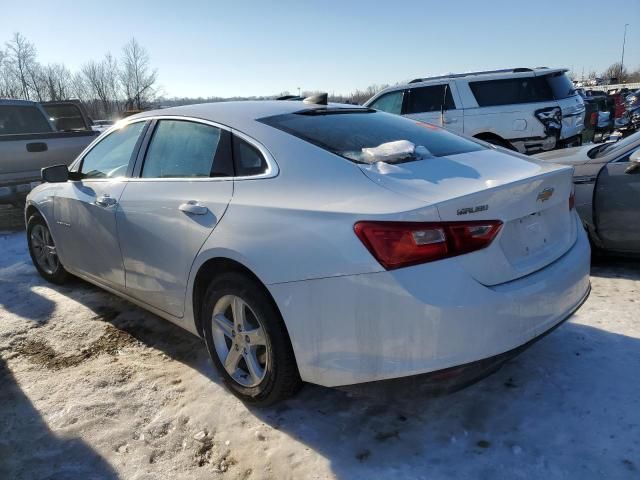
<point x="110" y="157"/>
<point x="430" y="99"/>
<point x="248" y="159"/>
<point x="22" y="119"/>
<point x="508" y="91"/>
<point x="183" y="149"/>
<point x="561" y="86"/>
<point x="389" y="102"/>
<point x="367" y="136"/>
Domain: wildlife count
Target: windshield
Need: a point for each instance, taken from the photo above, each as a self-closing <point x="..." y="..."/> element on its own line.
<point x="368" y="136"/>
<point x="560" y="85"/>
<point x="619" y="146"/>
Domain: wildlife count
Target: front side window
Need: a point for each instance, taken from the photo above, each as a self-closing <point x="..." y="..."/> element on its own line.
<point x="111" y="156"/>
<point x="182" y="149"/>
<point x="510" y="91"/>
<point x="433" y="98"/>
<point x="368" y="136"/>
<point x="18" y="119"/>
<point x="389" y="102"/>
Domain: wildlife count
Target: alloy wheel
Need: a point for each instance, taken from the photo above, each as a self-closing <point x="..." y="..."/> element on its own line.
<point x="44" y="249"/>
<point x="240" y="341"/>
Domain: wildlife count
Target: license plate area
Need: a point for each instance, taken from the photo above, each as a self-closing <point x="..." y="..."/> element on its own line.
<point x="535" y="236"/>
<point x="533" y="233"/>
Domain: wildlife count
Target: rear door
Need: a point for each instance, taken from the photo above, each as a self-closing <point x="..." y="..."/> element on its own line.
<point x="434" y="104"/>
<point x="181" y="189"/>
<point x="85" y="209"/>
<point x="617" y="206"/>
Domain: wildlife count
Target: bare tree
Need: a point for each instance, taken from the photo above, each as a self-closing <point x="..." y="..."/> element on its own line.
<point x="9" y="87"/>
<point x="58" y="82"/>
<point x="616" y="73"/>
<point x="22" y="62"/>
<point x="136" y="76"/>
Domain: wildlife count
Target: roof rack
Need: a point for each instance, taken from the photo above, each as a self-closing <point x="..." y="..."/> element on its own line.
<point x="484" y="72"/>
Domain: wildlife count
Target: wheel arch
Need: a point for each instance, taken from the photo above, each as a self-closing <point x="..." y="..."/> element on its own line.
<point x="213" y="267"/>
<point x="30" y="211"/>
<point x="489" y="136"/>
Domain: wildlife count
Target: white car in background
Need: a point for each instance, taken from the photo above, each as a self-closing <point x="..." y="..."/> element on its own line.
<point x="101" y="125"/>
<point x="523" y="109"/>
<point x="325" y="243"/>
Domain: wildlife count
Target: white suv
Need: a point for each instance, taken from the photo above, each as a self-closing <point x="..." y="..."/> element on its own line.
<point x="529" y="110"/>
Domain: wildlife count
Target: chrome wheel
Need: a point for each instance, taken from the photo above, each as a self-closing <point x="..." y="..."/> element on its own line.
<point x="44" y="249"/>
<point x="240" y="341"/>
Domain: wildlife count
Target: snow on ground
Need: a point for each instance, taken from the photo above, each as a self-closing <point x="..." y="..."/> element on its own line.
<point x="93" y="387"/>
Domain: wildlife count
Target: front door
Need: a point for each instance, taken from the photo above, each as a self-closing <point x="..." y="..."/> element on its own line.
<point x="617" y="206"/>
<point x="85" y="209"/>
<point x="171" y="206"/>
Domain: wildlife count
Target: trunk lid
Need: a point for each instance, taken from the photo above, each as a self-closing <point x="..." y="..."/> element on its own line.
<point x="531" y="198"/>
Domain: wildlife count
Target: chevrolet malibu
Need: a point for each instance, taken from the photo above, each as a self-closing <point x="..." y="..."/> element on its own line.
<point x="320" y="243"/>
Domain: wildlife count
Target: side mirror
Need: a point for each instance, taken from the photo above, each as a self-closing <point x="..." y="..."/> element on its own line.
<point x="634" y="162"/>
<point x="55" y="174"/>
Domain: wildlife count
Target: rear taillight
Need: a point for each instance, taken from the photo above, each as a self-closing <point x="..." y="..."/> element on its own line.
<point x="572" y="198"/>
<point x="400" y="244"/>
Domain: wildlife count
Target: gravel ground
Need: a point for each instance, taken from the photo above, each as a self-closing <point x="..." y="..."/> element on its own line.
<point x="95" y="388"/>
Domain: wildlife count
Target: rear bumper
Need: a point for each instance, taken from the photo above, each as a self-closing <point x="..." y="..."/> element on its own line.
<point x="363" y="328"/>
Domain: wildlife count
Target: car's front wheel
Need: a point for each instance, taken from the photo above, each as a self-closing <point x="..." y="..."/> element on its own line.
<point x="247" y="340"/>
<point x="43" y="251"/>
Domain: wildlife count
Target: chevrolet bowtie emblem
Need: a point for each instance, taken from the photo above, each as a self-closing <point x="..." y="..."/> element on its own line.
<point x="545" y="194"/>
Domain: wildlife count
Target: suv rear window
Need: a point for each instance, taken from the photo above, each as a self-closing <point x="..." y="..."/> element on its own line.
<point x="508" y="91"/>
<point x="350" y="133"/>
<point x="560" y="85"/>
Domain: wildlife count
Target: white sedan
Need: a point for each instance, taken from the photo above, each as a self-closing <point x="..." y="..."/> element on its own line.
<point x="323" y="243"/>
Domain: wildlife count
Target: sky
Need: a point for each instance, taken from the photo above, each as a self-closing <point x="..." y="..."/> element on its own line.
<point x="244" y="48"/>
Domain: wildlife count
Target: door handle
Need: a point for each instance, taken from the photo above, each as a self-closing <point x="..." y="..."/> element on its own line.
<point x="193" y="207"/>
<point x="450" y="120"/>
<point x="106" y="201"/>
<point x="34" y="147"/>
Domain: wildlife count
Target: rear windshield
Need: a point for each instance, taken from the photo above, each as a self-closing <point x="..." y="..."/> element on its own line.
<point x="66" y="117"/>
<point x="560" y="85"/>
<point x="368" y="136"/>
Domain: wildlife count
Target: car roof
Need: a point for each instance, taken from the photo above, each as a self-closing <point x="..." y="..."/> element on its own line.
<point x="482" y="75"/>
<point x="237" y="114"/>
<point x="17" y="103"/>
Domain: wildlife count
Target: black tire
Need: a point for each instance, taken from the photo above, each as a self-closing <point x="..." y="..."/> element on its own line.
<point x="57" y="275"/>
<point x="281" y="378"/>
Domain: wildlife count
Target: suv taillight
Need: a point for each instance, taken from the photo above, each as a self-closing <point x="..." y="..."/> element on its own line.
<point x="400" y="244"/>
<point x="572" y="198"/>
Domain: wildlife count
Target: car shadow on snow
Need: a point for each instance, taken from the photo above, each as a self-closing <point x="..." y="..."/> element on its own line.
<point x="566" y="406"/>
<point x="51" y="457"/>
<point x="19" y="281"/>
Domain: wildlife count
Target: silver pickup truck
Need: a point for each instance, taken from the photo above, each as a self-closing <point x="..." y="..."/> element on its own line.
<point x="32" y="138"/>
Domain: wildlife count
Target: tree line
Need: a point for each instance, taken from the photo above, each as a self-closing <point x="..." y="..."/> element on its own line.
<point x="114" y="84"/>
<point x="107" y="86"/>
